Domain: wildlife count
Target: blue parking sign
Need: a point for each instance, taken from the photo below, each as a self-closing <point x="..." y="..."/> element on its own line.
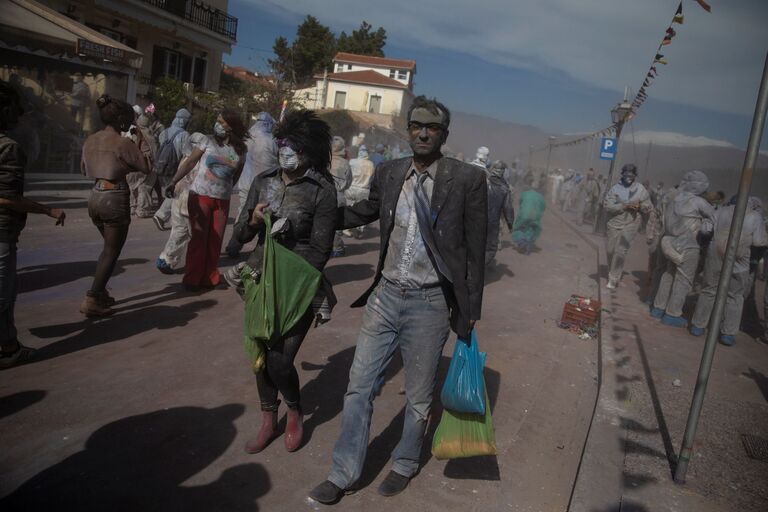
<point x="607" y="148"/>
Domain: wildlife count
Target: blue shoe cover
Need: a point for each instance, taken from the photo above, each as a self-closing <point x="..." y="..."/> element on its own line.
<point x="674" y="321"/>
<point x="657" y="313"/>
<point x="727" y="340"/>
<point x="696" y="331"/>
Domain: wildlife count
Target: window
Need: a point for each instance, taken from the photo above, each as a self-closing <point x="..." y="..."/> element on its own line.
<point x="349" y="67"/>
<point x="339" y="68"/>
<point x="176" y="65"/>
<point x="198" y="74"/>
<point x="391" y="73"/>
<point x="402" y="74"/>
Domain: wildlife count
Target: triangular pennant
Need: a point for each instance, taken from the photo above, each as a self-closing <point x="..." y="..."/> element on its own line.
<point x="671" y="32"/>
<point x="678" y="19"/>
<point x="667" y="40"/>
<point x="679" y="9"/>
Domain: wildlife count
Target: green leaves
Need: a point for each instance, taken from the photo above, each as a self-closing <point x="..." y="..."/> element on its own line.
<point x="315" y="46"/>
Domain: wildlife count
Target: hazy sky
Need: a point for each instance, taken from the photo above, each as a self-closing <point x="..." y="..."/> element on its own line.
<point x="559" y="65"/>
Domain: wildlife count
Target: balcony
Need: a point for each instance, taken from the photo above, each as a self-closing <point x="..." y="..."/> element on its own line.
<point x="200" y="14"/>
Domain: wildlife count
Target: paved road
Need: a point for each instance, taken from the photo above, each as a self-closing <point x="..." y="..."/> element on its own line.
<point x="150" y="409"/>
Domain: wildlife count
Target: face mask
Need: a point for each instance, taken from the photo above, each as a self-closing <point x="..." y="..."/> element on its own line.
<point x="628" y="179"/>
<point x="288" y="158"/>
<point x="219" y="130"/>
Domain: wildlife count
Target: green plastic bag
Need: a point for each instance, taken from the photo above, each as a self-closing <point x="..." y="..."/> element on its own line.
<point x="278" y="298"/>
<point x="461" y="434"/>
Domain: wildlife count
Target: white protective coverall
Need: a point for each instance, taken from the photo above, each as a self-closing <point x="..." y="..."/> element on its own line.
<point x="685" y="216"/>
<point x="176" y="247"/>
<point x="362" y="175"/>
<point x="753" y="234"/>
<point x="623" y="224"/>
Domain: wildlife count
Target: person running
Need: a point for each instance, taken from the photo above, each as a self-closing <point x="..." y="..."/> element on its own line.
<point x="222" y="158"/>
<point x="176" y="138"/>
<point x="625" y="203"/>
<point x="301" y="195"/>
<point x="108" y="158"/>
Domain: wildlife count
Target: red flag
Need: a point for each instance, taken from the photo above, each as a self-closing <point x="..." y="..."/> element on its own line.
<point x="667" y="40"/>
<point x="671" y="32"/>
<point x="704" y="5"/>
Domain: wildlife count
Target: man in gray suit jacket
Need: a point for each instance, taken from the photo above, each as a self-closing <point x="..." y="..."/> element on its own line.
<point x="433" y="214"/>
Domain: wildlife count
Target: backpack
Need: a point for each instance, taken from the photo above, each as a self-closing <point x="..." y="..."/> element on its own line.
<point x="167" y="160"/>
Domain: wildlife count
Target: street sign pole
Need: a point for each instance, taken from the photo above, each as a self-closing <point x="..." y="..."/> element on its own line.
<point x="758" y="122"/>
<point x="600" y="220"/>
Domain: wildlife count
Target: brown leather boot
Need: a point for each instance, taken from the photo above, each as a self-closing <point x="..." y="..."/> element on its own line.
<point x="294" y="430"/>
<point x="92" y="306"/>
<point x="267" y="432"/>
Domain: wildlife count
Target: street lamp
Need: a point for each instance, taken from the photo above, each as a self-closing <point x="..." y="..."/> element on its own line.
<point x="619" y="115"/>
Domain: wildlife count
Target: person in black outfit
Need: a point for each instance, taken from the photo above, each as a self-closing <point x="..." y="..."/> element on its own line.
<point x="301" y="195"/>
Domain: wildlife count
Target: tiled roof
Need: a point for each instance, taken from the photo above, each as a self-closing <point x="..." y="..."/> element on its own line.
<point x="367" y="76"/>
<point x="375" y="61"/>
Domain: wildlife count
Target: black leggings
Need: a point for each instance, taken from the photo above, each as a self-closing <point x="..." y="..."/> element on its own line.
<point x="279" y="374"/>
<point x="114" y="239"/>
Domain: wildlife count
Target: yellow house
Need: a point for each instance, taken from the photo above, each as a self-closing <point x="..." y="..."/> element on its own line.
<point x="362" y="83"/>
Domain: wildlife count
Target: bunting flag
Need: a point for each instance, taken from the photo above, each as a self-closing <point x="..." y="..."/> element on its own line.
<point x="660" y="59"/>
<point x="671" y="32"/>
<point x="679" y="19"/>
<point x="667" y="40"/>
<point x="704" y="5"/>
<point x="653" y="70"/>
<point x="679" y="10"/>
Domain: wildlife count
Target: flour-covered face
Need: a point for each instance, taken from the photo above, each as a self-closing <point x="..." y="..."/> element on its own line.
<point x="628" y="179"/>
<point x="288" y="158"/>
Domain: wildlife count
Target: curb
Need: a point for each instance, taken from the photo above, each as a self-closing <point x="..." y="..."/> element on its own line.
<point x="598" y="477"/>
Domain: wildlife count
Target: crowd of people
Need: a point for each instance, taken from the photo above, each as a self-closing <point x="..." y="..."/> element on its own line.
<point x="686" y="230"/>
<point x="313" y="190"/>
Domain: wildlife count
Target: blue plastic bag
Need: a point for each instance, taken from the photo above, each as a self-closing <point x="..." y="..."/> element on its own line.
<point x="464" y="386"/>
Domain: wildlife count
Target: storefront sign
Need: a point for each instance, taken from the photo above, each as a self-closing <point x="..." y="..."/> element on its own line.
<point x="100" y="51"/>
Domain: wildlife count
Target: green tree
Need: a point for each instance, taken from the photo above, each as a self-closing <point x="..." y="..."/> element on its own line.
<point x="168" y="95"/>
<point x="363" y="41"/>
<point x="311" y="52"/>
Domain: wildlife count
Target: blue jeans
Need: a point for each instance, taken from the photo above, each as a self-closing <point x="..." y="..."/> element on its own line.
<point x="7" y="295"/>
<point x="416" y="320"/>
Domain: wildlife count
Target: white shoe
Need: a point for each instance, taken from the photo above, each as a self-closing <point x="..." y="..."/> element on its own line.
<point x="612" y="285"/>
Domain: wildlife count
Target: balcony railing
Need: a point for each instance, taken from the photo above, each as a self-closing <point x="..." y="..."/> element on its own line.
<point x="200" y="14"/>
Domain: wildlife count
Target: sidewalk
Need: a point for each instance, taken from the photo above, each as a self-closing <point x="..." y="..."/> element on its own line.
<point x="150" y="409"/>
<point x="640" y="420"/>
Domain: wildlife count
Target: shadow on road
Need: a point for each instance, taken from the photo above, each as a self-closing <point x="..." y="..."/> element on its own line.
<point x="142" y="463"/>
<point x="124" y="324"/>
<point x="40" y="277"/>
<point x="496" y="272"/>
<point x="662" y="422"/>
<point x="325" y="406"/>
<point x="760" y="379"/>
<point x="11" y="404"/>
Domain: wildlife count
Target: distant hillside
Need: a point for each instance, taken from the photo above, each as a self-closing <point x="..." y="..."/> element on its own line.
<point x="666" y="163"/>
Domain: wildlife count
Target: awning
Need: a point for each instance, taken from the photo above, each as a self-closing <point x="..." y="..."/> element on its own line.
<point x="25" y="25"/>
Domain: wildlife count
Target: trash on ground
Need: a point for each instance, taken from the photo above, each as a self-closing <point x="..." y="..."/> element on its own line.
<point x="581" y="316"/>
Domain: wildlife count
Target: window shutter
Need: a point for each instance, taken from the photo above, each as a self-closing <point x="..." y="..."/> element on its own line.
<point x="186" y="68"/>
<point x="158" y="64"/>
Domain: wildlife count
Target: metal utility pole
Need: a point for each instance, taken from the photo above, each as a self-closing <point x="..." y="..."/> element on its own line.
<point x="758" y="122"/>
<point x="552" y="138"/>
<point x="618" y="116"/>
<point x="530" y="156"/>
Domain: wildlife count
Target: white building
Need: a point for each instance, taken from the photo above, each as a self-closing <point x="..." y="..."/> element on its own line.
<point x="362" y="83"/>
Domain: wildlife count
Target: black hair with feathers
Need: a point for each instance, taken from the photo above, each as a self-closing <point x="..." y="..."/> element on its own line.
<point x="309" y="134"/>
